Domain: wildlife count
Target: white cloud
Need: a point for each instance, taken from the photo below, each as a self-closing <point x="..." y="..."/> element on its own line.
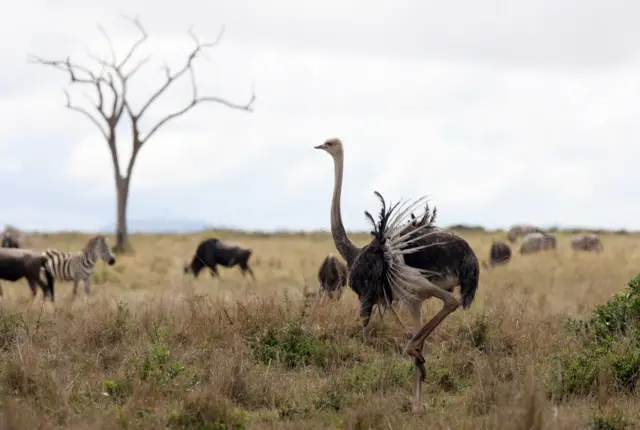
<point x="484" y="112"/>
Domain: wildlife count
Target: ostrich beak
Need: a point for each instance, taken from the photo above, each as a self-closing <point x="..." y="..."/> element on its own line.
<point x="323" y="146"/>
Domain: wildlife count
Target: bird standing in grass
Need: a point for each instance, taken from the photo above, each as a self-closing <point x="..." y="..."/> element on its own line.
<point x="409" y="260"/>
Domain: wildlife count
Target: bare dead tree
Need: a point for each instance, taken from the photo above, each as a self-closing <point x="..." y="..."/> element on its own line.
<point x="111" y="101"/>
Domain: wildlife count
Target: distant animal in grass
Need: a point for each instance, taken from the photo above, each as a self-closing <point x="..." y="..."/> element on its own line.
<point x="79" y="266"/>
<point x="500" y="253"/>
<point x="550" y="241"/>
<point x="536" y="242"/>
<point x="332" y="277"/>
<point x="9" y="241"/>
<point x="589" y="242"/>
<point x="213" y="252"/>
<point x="16" y="264"/>
<point x="521" y="230"/>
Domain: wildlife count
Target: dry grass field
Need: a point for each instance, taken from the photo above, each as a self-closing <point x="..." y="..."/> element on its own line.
<point x="156" y="349"/>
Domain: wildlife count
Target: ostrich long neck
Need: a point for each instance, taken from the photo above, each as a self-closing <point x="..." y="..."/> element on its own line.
<point x="344" y="245"/>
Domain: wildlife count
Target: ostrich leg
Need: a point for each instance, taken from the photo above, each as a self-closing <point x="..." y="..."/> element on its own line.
<point x="365" y="317"/>
<point x="414" y="348"/>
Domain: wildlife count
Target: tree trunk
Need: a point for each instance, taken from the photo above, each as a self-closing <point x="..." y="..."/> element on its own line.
<point x="122" y="236"/>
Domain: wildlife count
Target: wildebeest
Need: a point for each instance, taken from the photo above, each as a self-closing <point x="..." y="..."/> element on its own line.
<point x="586" y="242"/>
<point x="212" y="252"/>
<point x="18" y="263"/>
<point x="332" y="276"/>
<point x="521" y="230"/>
<point x="538" y="241"/>
<point x="500" y="253"/>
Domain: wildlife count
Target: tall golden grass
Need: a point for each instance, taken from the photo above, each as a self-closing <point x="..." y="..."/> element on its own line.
<point x="153" y="348"/>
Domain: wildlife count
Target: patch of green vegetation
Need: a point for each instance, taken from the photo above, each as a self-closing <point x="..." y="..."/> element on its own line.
<point x="118" y="390"/>
<point x="155" y="364"/>
<point x="293" y="347"/>
<point x="608" y="343"/>
<point x="478" y="335"/>
<point x="606" y="422"/>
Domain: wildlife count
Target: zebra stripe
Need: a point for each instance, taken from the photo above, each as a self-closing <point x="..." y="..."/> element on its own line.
<point x="69" y="266"/>
<point x="78" y="266"/>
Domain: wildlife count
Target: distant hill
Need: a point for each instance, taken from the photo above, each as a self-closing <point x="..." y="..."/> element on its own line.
<point x="159" y="225"/>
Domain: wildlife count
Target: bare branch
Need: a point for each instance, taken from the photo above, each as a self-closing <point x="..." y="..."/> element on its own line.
<point x="114" y="116"/>
<point x="246" y="106"/>
<point x="86" y="114"/>
<point x="112" y="77"/>
<point x="171" y="77"/>
<point x="136" y="45"/>
<point x="103" y="78"/>
<point x="102" y="63"/>
<point x="107" y="79"/>
<point x="97" y="81"/>
<point x="137" y="67"/>
<point x="195" y="100"/>
<point x="69" y="67"/>
<point x="216" y="42"/>
<point x="109" y="42"/>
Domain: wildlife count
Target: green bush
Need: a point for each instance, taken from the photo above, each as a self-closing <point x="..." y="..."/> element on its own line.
<point x="600" y="422"/>
<point x="608" y="343"/>
<point x="294" y="347"/>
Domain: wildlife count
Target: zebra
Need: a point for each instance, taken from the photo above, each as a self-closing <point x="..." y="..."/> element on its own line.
<point x="78" y="266"/>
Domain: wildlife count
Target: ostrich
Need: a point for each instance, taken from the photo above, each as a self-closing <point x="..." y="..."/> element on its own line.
<point x="332" y="276"/>
<point x="407" y="259"/>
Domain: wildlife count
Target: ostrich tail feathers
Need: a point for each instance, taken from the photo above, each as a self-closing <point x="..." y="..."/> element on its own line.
<point x="373" y="223"/>
<point x="434" y="214"/>
<point x="392" y="221"/>
<point x="429" y="216"/>
<point x="383" y="218"/>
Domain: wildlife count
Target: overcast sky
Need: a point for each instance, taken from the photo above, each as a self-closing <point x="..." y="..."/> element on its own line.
<point x="501" y="111"/>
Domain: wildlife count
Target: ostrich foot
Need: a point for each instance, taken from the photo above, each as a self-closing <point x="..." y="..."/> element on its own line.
<point x="417" y="395"/>
<point x="414" y="351"/>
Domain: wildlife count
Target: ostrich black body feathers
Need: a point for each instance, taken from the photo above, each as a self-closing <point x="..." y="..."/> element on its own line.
<point x="405" y="248"/>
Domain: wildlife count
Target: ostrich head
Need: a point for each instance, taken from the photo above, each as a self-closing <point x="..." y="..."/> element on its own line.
<point x="332" y="146"/>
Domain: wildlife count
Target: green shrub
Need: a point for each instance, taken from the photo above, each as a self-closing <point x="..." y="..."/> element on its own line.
<point x="601" y="422"/>
<point x="608" y="343"/>
<point x="292" y="346"/>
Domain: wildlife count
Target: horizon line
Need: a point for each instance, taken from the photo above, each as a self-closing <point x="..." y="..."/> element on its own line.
<point x="467" y="227"/>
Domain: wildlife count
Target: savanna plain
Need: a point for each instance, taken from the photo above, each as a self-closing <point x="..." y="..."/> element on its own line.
<point x="153" y="348"/>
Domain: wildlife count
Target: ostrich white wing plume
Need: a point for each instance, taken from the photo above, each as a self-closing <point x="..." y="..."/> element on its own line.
<point x="399" y="237"/>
